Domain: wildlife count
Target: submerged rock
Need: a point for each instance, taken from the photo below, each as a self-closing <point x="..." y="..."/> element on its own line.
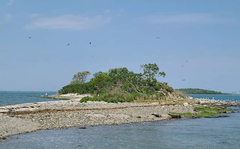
<point x="216" y="116"/>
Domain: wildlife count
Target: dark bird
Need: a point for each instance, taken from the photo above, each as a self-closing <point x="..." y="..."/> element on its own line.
<point x="186" y="61"/>
<point x="157" y="37"/>
<point x="183" y="79"/>
<point x="90" y="42"/>
<point x="182" y="65"/>
<point x="68" y="44"/>
<point x="29" y="37"/>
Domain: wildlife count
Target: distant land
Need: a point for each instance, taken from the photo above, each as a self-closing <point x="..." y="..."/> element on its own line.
<point x="198" y="91"/>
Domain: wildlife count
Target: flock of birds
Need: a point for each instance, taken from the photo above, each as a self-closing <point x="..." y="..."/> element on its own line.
<point x="92" y="56"/>
<point x="182" y="66"/>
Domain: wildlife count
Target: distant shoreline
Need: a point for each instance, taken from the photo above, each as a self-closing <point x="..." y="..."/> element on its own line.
<point x="199" y="91"/>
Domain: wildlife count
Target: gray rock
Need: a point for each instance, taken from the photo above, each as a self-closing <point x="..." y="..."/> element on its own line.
<point x="175" y="115"/>
<point x="185" y="104"/>
<point x="217" y="116"/>
<point x="157" y="115"/>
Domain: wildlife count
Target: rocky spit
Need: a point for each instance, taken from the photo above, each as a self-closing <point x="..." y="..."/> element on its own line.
<point x="62" y="114"/>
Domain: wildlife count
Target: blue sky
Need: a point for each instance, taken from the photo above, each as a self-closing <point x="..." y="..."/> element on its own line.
<point x="198" y="41"/>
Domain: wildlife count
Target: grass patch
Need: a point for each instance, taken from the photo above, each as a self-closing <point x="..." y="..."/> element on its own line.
<point x="203" y="112"/>
<point x="112" y="97"/>
<point x="56" y="98"/>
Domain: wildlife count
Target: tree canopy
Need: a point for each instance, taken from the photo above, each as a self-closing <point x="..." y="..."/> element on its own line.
<point x="120" y="79"/>
<point x="80" y="77"/>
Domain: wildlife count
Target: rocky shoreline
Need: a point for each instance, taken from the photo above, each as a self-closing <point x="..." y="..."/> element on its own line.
<point x="29" y="117"/>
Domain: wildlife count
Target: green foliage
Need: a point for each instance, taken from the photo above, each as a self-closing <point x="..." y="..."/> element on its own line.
<point x="151" y="70"/>
<point x="80" y="77"/>
<point x="113" y="98"/>
<point x="203" y="112"/>
<point x="198" y="91"/>
<point x="118" y="71"/>
<point x="119" y="84"/>
<point x="128" y="87"/>
<point x="78" y="88"/>
<point x="85" y="99"/>
<point x="55" y="98"/>
<point x="97" y="73"/>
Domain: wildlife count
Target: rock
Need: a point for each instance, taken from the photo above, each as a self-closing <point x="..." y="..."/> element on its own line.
<point x="95" y="115"/>
<point x="82" y="127"/>
<point x="136" y="116"/>
<point x="163" y="103"/>
<point x="166" y="116"/>
<point x="175" y="115"/>
<point x="203" y="102"/>
<point x="175" y="101"/>
<point x="217" y="116"/>
<point x="119" y="116"/>
<point x="3" y="110"/>
<point x="154" y="103"/>
<point x="157" y="115"/>
<point x="185" y="104"/>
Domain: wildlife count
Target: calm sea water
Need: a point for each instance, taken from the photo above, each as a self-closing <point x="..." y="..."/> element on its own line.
<point x="209" y="133"/>
<point x="18" y="97"/>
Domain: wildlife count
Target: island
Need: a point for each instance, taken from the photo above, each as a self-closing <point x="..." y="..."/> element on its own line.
<point x="116" y="97"/>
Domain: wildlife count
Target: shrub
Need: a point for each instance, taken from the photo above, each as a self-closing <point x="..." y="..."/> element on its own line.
<point x="85" y="99"/>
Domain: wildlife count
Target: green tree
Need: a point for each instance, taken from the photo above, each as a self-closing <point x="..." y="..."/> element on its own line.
<point x="151" y="70"/>
<point x="118" y="71"/>
<point x="101" y="80"/>
<point x="97" y="73"/>
<point x="80" y="77"/>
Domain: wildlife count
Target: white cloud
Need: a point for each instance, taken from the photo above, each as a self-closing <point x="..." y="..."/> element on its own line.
<point x="11" y="2"/>
<point x="74" y="22"/>
<point x="8" y="17"/>
<point x="120" y="12"/>
<point x="200" y="18"/>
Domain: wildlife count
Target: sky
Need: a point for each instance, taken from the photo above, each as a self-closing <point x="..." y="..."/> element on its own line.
<point x="192" y="40"/>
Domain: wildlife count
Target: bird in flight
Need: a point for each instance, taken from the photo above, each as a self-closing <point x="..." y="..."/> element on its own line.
<point x="68" y="44"/>
<point x="183" y="79"/>
<point x="90" y="42"/>
<point x="157" y="37"/>
<point x="186" y="61"/>
<point x="29" y="37"/>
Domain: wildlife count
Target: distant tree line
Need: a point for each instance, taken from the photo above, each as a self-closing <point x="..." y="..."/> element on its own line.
<point x="198" y="91"/>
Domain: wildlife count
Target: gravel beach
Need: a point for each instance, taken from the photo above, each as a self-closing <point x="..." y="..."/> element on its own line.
<point x="60" y="114"/>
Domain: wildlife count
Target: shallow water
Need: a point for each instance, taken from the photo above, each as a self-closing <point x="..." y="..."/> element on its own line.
<point x="232" y="98"/>
<point x="214" y="133"/>
<point x="18" y="97"/>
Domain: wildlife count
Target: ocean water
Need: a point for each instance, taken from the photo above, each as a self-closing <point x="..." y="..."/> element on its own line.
<point x="18" y="97"/>
<point x="209" y="133"/>
<point x="232" y="98"/>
